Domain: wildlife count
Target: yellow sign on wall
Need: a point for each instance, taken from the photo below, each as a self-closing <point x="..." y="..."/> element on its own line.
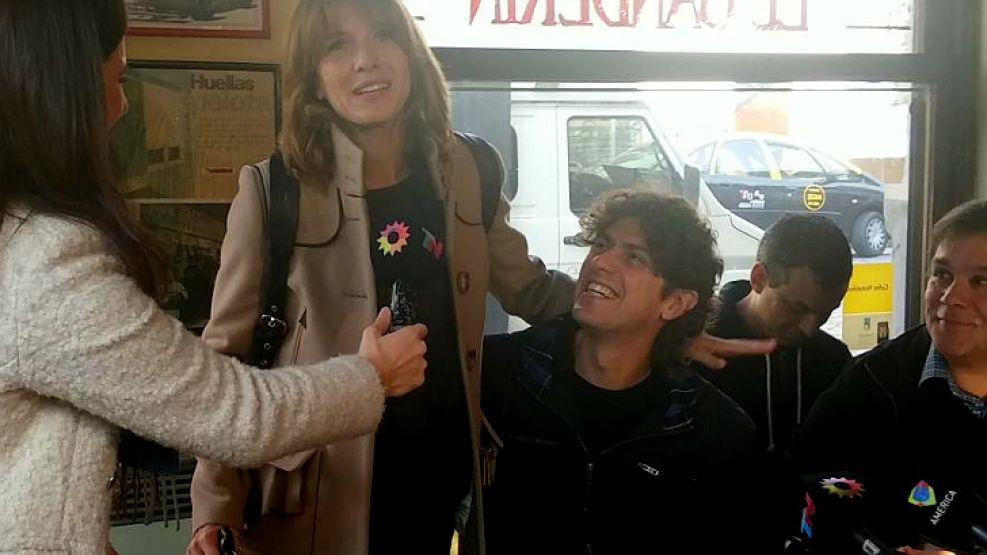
<point x="867" y="306"/>
<point x="870" y="289"/>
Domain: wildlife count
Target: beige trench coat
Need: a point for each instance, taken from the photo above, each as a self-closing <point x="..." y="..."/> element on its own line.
<point x="318" y="501"/>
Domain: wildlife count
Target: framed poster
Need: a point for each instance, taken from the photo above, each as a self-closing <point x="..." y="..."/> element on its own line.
<point x="200" y="18"/>
<point x="190" y="127"/>
<point x="177" y="153"/>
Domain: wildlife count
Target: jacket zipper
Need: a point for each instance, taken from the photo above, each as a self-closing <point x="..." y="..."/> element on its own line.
<point x="591" y="464"/>
<point x="770" y="401"/>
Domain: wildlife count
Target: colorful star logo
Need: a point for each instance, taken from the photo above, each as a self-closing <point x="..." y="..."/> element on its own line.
<point x="843" y="487"/>
<point x="922" y="495"/>
<point x="393" y="238"/>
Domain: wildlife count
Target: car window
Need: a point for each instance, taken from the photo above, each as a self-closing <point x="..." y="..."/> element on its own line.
<point x="607" y="153"/>
<point x="832" y="165"/>
<point x="795" y="162"/>
<point x="644" y="157"/>
<point x="741" y="158"/>
<point x="700" y="158"/>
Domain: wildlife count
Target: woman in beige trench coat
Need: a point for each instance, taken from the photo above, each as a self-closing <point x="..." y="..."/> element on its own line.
<point x="388" y="194"/>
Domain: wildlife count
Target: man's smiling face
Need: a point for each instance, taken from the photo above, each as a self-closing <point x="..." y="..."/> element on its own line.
<point x="956" y="298"/>
<point x="618" y="288"/>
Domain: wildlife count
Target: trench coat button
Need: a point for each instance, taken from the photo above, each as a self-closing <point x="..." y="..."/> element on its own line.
<point x="463" y="282"/>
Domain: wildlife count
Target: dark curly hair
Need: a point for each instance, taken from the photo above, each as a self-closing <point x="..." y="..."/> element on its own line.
<point x="682" y="247"/>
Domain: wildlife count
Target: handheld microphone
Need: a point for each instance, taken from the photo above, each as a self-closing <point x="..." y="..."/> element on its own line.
<point x="838" y="513"/>
<point x="402" y="305"/>
<point x="226" y="541"/>
<point x="946" y="515"/>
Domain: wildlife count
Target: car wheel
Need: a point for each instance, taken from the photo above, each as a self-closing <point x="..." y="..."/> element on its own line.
<point x="870" y="236"/>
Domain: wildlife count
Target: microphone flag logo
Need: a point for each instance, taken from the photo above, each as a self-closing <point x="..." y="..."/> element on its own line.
<point x="807" y="513"/>
<point x="843" y="487"/>
<point x="922" y="495"/>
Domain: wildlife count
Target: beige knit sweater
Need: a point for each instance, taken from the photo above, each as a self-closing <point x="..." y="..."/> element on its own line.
<point x="83" y="352"/>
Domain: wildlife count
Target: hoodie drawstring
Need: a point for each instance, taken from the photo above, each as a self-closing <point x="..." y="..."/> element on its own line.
<point x="771" y="419"/>
<point x="798" y="399"/>
<point x="798" y="396"/>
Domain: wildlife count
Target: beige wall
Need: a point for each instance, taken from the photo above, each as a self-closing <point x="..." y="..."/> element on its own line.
<point x="218" y="50"/>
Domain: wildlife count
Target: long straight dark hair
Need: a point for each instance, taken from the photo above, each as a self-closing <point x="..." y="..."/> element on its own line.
<point x="54" y="144"/>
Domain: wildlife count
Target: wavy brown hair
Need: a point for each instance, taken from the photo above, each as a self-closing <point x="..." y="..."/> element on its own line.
<point x="682" y="246"/>
<point x="54" y="144"/>
<point x="306" y="140"/>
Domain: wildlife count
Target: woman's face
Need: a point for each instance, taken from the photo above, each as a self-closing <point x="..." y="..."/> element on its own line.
<point x="364" y="74"/>
<point x="113" y="70"/>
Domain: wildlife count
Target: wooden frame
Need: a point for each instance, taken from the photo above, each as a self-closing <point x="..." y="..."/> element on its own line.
<point x="200" y="18"/>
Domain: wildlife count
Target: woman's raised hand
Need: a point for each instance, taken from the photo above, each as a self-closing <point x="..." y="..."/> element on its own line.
<point x="399" y="356"/>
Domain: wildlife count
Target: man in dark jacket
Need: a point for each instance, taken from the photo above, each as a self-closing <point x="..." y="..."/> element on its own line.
<point x="801" y="274"/>
<point x="913" y="410"/>
<point x="606" y="442"/>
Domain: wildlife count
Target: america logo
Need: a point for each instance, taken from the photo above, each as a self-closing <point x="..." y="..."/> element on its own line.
<point x="922" y="495"/>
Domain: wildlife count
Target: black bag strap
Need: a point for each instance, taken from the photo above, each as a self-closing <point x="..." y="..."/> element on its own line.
<point x="281" y="220"/>
<point x="491" y="170"/>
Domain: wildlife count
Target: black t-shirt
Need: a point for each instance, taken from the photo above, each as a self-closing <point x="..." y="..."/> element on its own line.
<point x="607" y="417"/>
<point x="422" y="461"/>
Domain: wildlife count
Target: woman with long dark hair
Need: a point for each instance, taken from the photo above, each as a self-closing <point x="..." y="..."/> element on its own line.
<point x="84" y="350"/>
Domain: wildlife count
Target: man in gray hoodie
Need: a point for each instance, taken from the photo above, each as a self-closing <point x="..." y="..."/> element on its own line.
<point x="801" y="274"/>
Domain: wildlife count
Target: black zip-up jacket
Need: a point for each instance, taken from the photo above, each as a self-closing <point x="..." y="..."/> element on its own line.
<point x="878" y="421"/>
<point x="676" y="484"/>
<point x="776" y="390"/>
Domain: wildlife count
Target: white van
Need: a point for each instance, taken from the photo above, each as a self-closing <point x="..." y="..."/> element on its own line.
<point x="563" y="148"/>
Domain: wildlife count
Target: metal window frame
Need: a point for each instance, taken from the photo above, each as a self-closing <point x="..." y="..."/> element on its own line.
<point x="943" y="151"/>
